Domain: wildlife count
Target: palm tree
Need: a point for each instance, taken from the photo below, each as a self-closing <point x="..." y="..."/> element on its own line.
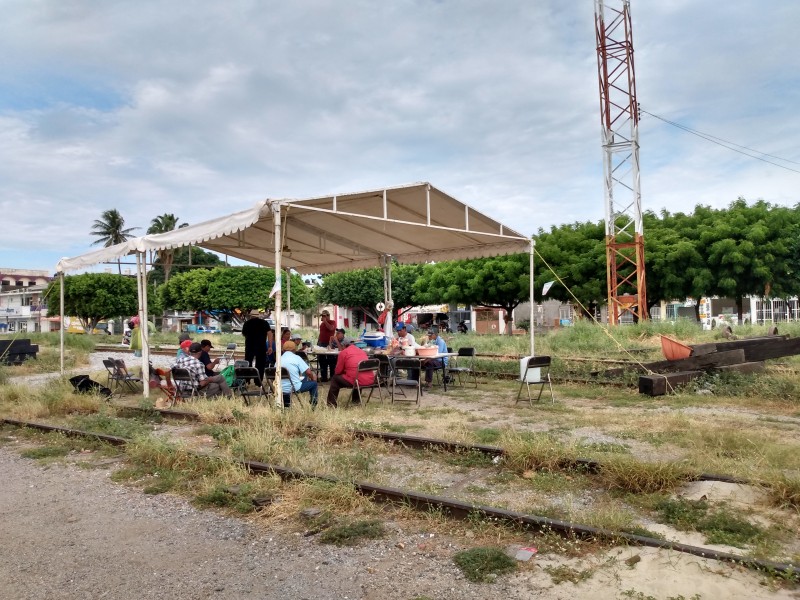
<point x="162" y="224"/>
<point x="110" y="230"/>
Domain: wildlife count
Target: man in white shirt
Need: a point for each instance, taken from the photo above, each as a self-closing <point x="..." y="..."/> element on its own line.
<point x="404" y="339"/>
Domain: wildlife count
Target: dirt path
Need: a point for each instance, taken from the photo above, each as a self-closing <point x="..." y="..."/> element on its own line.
<point x="69" y="532"/>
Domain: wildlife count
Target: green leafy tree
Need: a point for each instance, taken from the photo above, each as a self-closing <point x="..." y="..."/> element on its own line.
<point x="230" y="293"/>
<point x="94" y="297"/>
<point x="110" y="230"/>
<point x="500" y="282"/>
<point x="184" y="259"/>
<point x="574" y="256"/>
<point x="162" y="224"/>
<point x="750" y="250"/>
<point x="363" y="289"/>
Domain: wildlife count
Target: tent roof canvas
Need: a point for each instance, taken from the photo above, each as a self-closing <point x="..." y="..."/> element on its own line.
<point x="413" y="223"/>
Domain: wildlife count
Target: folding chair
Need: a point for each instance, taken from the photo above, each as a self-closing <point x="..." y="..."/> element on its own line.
<point x="464" y="372"/>
<point x="185" y="392"/>
<point x="229" y="354"/>
<point x="124" y="377"/>
<point x="407" y="364"/>
<point x="385" y="371"/>
<point x="294" y="393"/>
<point x="112" y="377"/>
<point x="373" y="366"/>
<point x="542" y="363"/>
<point x="247" y="375"/>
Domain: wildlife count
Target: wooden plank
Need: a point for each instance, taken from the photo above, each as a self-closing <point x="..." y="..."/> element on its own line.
<point x="659" y="385"/>
<point x="707" y="361"/>
<point x="748" y="367"/>
<point x="772" y="349"/>
<point x="700" y="349"/>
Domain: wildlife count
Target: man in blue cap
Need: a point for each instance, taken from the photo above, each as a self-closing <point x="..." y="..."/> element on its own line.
<point x="404" y="339"/>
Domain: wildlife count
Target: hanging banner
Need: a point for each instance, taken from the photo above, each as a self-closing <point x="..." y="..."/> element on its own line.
<point x="546" y="287"/>
<point x="276" y="288"/>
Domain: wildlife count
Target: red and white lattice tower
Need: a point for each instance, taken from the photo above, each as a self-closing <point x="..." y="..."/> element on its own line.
<point x="620" y="120"/>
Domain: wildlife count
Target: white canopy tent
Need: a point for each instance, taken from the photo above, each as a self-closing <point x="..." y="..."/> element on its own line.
<point x="411" y="224"/>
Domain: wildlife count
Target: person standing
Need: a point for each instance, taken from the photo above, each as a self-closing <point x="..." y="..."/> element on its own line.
<point x="346" y="371"/>
<point x="327" y="363"/>
<point x="255" y="332"/>
<point x="136" y="337"/>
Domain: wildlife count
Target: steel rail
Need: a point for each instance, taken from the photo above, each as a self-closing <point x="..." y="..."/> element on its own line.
<point x="462" y="510"/>
<point x="423" y="443"/>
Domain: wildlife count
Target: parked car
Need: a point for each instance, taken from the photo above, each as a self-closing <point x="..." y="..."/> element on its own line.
<point x="208" y="330"/>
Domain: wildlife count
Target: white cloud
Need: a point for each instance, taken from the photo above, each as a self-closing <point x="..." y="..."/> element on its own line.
<point x="202" y="109"/>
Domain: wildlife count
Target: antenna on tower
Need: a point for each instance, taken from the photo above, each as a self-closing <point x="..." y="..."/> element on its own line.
<point x="619" y="115"/>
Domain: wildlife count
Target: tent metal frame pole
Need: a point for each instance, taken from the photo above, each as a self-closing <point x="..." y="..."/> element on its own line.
<point x="289" y="298"/>
<point x="61" y="315"/>
<point x="276" y="212"/>
<point x="141" y="282"/>
<point x="532" y="300"/>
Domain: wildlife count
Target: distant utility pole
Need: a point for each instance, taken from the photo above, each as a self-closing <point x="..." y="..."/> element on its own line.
<point x="619" y="115"/>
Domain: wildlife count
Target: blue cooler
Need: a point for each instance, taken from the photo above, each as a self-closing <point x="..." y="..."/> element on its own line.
<point x="375" y="340"/>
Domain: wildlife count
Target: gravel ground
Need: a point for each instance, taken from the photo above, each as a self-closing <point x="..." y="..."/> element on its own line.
<point x="69" y="532"/>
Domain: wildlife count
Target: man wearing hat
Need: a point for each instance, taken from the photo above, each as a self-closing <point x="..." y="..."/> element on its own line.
<point x="184" y="349"/>
<point x="346" y="371"/>
<point x="205" y="358"/>
<point x="326" y="330"/>
<point x="301" y="377"/>
<point x="432" y="364"/>
<point x="404" y="339"/>
<point x="211" y="386"/>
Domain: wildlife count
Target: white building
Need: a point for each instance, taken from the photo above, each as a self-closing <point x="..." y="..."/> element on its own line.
<point x="23" y="306"/>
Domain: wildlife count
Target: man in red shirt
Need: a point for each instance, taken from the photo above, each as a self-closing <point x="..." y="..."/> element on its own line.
<point x="344" y="376"/>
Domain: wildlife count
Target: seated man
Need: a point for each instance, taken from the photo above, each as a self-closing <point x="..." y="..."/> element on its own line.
<point x="211" y="386"/>
<point x="431" y="364"/>
<point x="404" y="338"/>
<point x="346" y="371"/>
<point x="336" y="340"/>
<point x="206" y="359"/>
<point x="184" y="349"/>
<point x="302" y="378"/>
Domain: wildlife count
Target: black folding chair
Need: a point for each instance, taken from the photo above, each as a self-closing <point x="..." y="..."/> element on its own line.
<point x="542" y="363"/>
<point x="408" y="365"/>
<point x="188" y="390"/>
<point x="293" y="393"/>
<point x="124" y="377"/>
<point x="464" y="367"/>
<point x="112" y="378"/>
<point x="373" y="366"/>
<point x="247" y="375"/>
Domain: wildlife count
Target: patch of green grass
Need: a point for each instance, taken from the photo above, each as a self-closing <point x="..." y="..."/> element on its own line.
<point x="470" y="458"/>
<point x="720" y="526"/>
<point x="46" y="452"/>
<point x="484" y="564"/>
<point x="487" y="435"/>
<point x="108" y="425"/>
<point x="603" y="447"/>
<point x="784" y="491"/>
<point x="238" y="497"/>
<point x="350" y="533"/>
<point x="563" y="573"/>
<point x="161" y="482"/>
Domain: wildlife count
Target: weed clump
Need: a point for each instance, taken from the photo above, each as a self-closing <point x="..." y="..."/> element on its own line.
<point x="350" y="533"/>
<point x="484" y="564"/>
<point x="721" y="526"/>
<point x="629" y="475"/>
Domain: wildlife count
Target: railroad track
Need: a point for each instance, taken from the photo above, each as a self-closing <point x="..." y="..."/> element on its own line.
<point x="463" y="510"/>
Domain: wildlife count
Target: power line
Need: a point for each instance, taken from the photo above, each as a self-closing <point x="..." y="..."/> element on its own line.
<point x="729" y="145"/>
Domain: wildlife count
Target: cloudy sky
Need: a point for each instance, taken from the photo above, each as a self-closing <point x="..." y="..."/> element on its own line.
<point x="203" y="108"/>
